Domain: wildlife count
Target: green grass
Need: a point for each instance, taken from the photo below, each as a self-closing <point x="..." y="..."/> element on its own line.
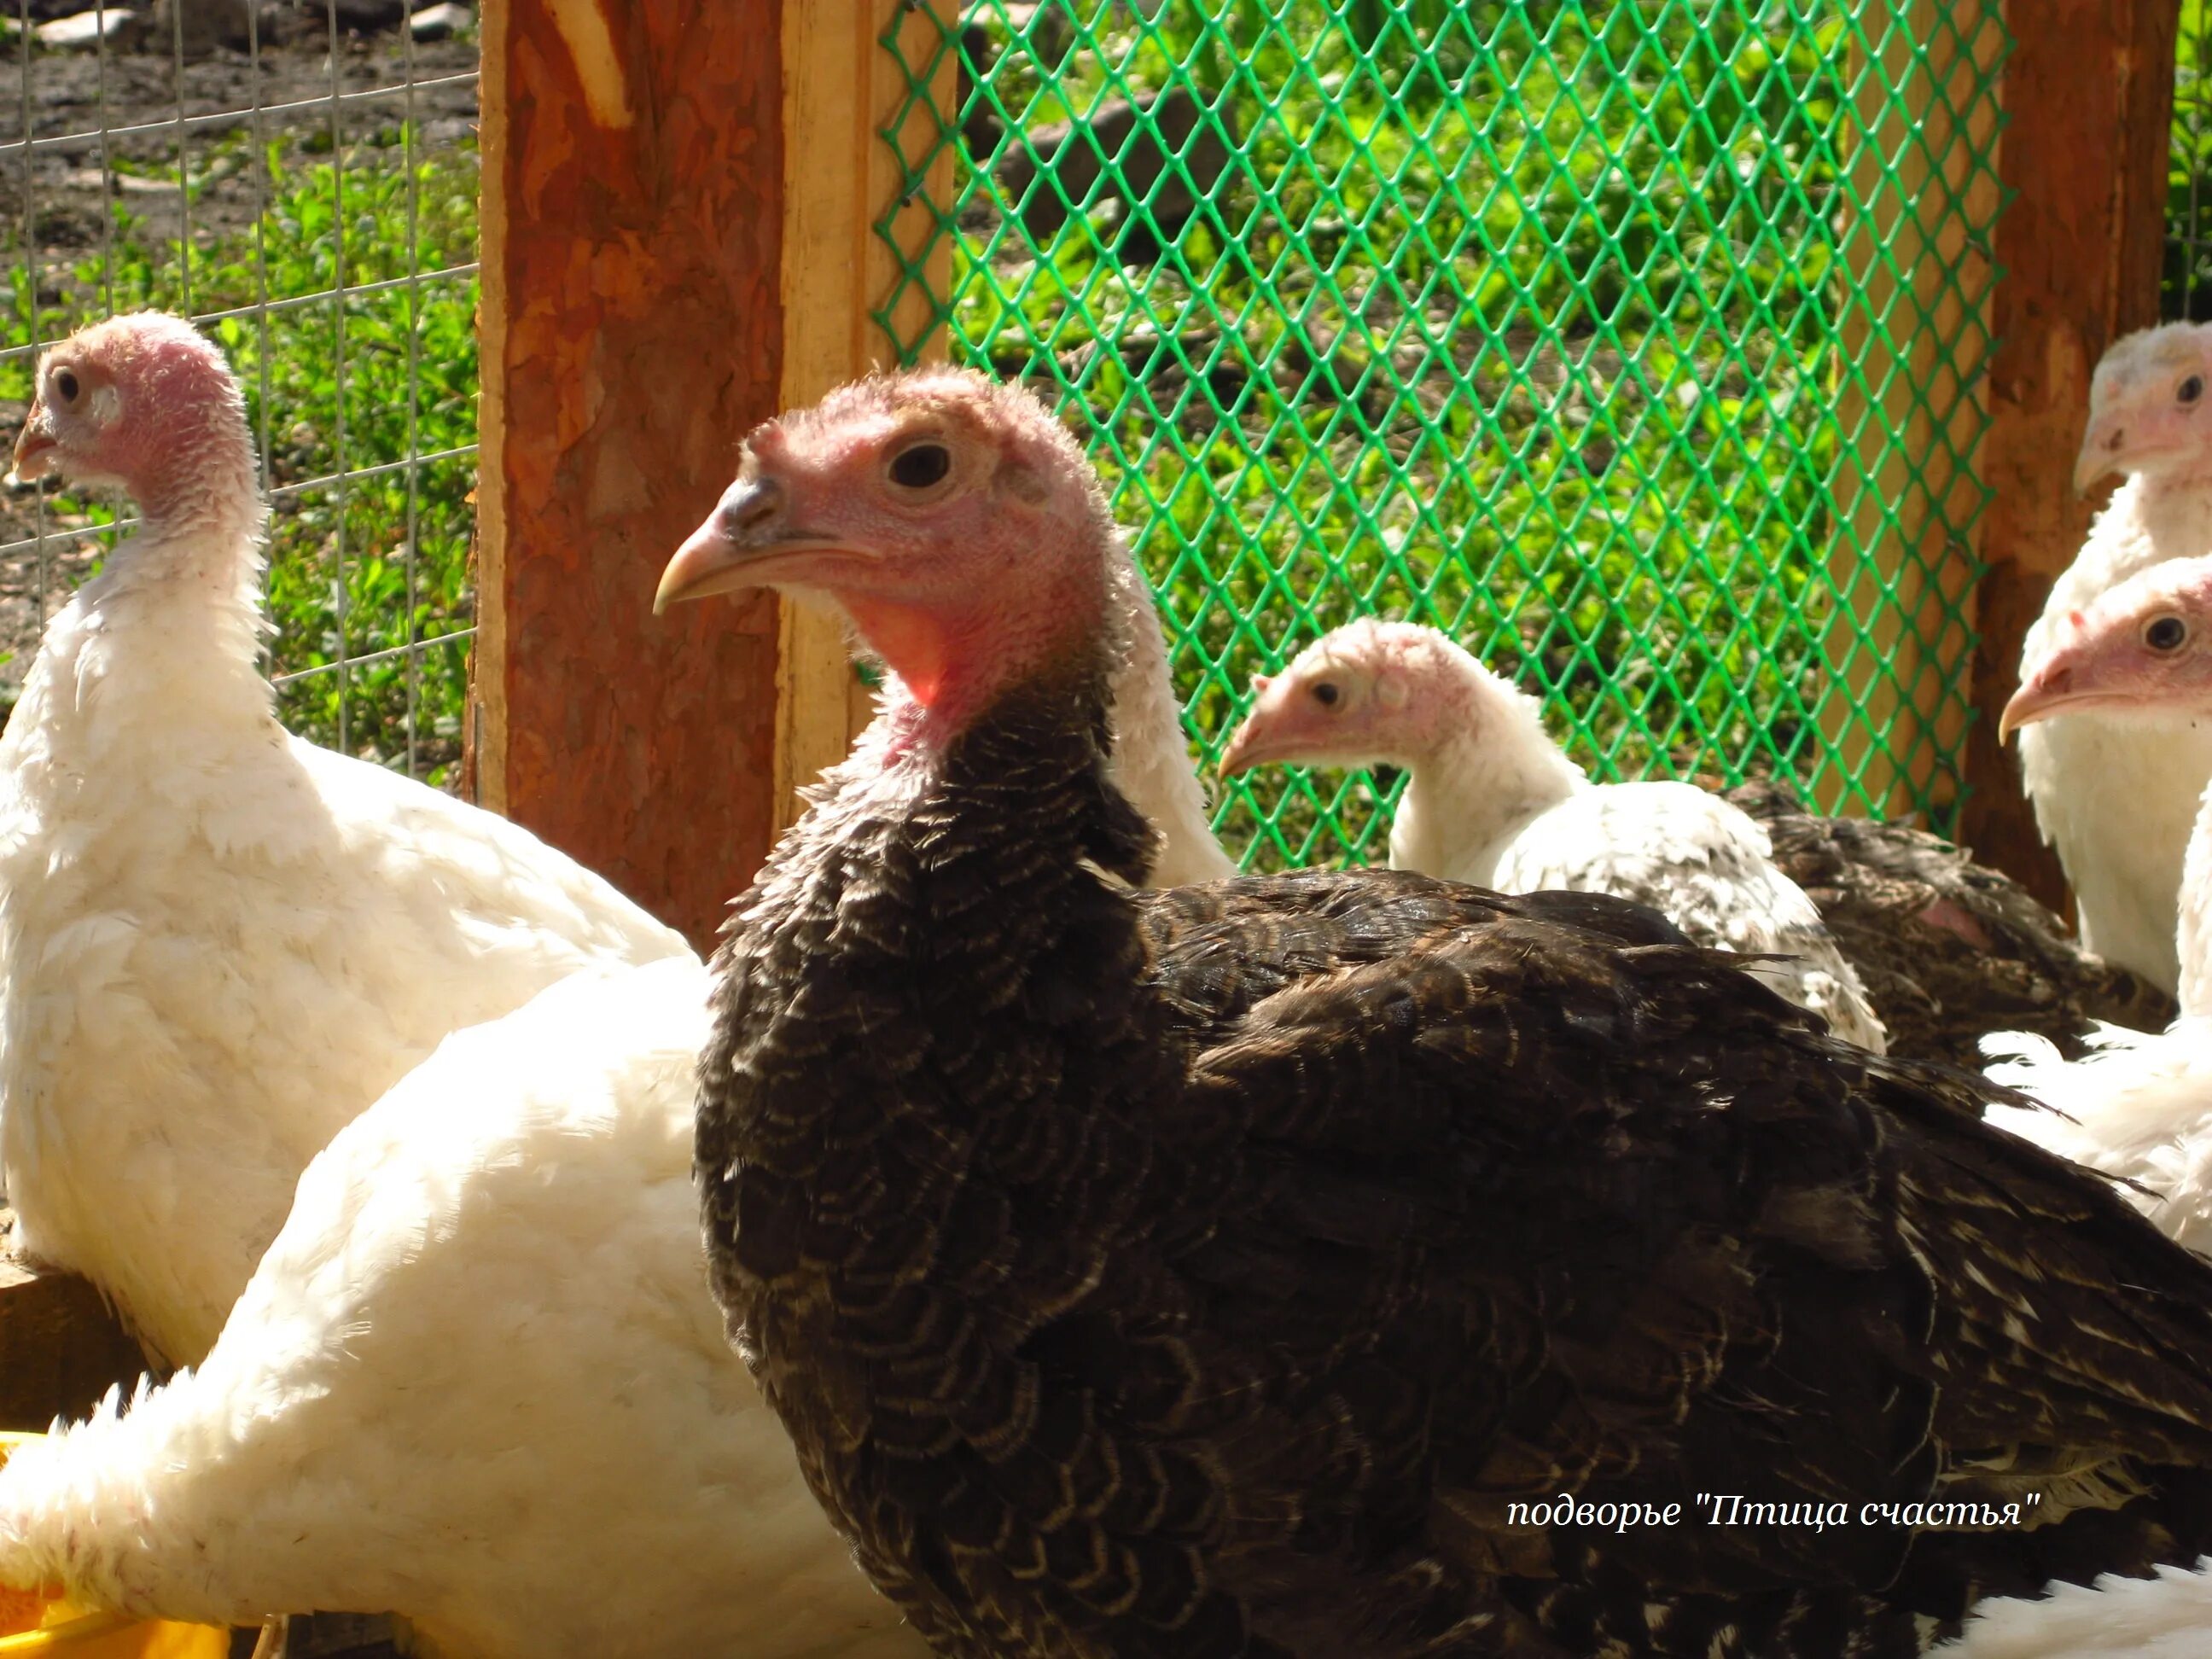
<point x="2185" y="285"/>
<point x="358" y="383"/>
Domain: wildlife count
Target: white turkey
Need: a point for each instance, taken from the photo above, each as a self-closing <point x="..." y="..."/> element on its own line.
<point x="2140" y="1105"/>
<point x="2166" y="1616"/>
<point x="1208" y="1272"/>
<point x="2117" y="797"/>
<point x="478" y="1381"/>
<point x="218" y="942"/>
<point x="1490" y="798"/>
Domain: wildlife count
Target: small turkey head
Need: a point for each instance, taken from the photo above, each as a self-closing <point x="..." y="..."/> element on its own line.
<point x="2150" y="405"/>
<point x="950" y="517"/>
<point x="2144" y="647"/>
<point x="1370" y="691"/>
<point x="144" y="404"/>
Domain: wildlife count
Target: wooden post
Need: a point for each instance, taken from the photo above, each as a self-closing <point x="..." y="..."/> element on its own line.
<point x="2088" y="99"/>
<point x="842" y="88"/>
<point x="634" y="191"/>
<point x="1920" y="280"/>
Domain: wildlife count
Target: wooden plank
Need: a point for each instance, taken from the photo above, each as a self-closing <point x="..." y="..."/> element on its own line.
<point x="1921" y="279"/>
<point x="632" y="332"/>
<point x="841" y="90"/>
<point x="2088" y="96"/>
<point x="61" y="1349"/>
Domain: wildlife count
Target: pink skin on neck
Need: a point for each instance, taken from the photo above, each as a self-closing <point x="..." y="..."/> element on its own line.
<point x="178" y="446"/>
<point x="217" y="495"/>
<point x="951" y="661"/>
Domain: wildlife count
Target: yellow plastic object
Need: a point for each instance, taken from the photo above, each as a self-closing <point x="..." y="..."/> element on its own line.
<point x="64" y="1631"/>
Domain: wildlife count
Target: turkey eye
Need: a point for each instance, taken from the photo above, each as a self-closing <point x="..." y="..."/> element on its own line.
<point x="1326" y="694"/>
<point x="65" y="384"/>
<point x="920" y="466"/>
<point x="2166" y="633"/>
<point x="2190" y="389"/>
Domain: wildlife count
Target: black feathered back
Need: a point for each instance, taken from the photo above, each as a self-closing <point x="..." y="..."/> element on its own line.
<point x="1208" y="1273"/>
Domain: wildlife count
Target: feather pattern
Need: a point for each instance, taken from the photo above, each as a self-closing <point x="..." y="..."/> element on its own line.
<point x="1205" y="1272"/>
<point x="1948" y="950"/>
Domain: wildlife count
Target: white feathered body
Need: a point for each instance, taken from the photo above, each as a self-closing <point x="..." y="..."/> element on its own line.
<point x="1151" y="763"/>
<point x="478" y="1381"/>
<point x="2167" y="1617"/>
<point x="2117" y="797"/>
<point x="220" y="943"/>
<point x="1522" y="817"/>
<point x="2138" y="1105"/>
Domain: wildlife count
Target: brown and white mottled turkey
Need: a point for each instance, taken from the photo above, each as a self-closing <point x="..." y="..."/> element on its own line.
<point x="478" y="1380"/>
<point x="1490" y="798"/>
<point x="1948" y="950"/>
<point x="1206" y="1272"/>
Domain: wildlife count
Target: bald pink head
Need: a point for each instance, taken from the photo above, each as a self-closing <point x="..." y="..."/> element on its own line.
<point x="2144" y="647"/>
<point x="1370" y="691"/>
<point x="147" y="405"/>
<point x="951" y="517"/>
<point x="2150" y="406"/>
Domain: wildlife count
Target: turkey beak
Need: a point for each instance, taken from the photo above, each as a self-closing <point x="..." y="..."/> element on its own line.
<point x="2043" y="694"/>
<point x="2101" y="448"/>
<point x="747" y="541"/>
<point x="1247" y="748"/>
<point x="33" y="446"/>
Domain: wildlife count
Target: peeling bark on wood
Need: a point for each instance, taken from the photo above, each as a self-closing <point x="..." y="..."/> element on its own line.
<point x="633" y="205"/>
<point x="2088" y="97"/>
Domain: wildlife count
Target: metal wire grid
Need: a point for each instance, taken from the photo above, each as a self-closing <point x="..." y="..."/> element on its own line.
<point x="306" y="194"/>
<point x="2186" y="286"/>
<point x="1636" y="344"/>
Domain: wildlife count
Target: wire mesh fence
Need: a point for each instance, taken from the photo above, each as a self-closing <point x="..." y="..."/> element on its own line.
<point x="2185" y="284"/>
<point x="1638" y="345"/>
<point x="301" y="179"/>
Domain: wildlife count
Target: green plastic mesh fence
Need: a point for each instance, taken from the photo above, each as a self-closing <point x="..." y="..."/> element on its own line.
<point x="1637" y="346"/>
<point x="2185" y="284"/>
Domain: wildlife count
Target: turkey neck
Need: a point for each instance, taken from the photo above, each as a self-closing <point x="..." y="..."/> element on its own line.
<point x="1150" y="761"/>
<point x="1468" y="797"/>
<point x="172" y="624"/>
<point x="926" y="1014"/>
